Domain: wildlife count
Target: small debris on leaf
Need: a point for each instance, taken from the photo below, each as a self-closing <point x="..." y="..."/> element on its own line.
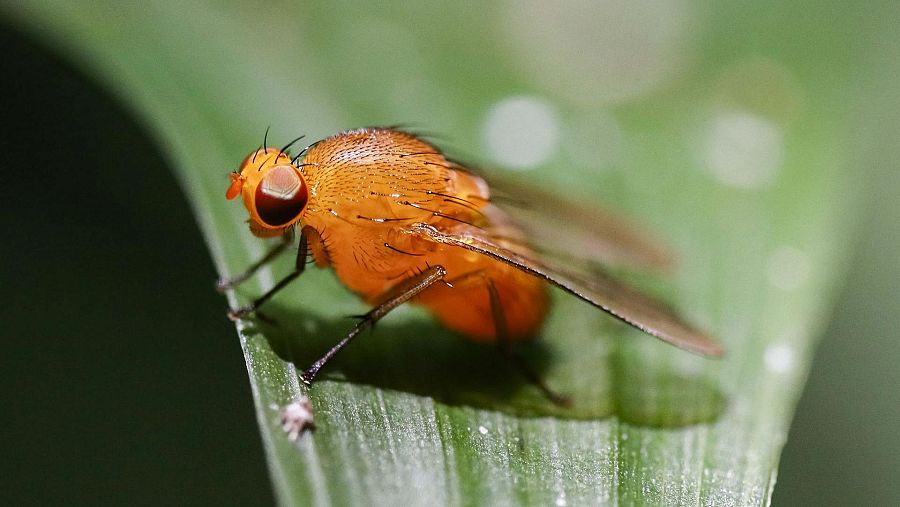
<point x="297" y="418"/>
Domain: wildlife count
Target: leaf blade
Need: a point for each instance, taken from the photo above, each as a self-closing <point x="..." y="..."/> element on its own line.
<point x="369" y="437"/>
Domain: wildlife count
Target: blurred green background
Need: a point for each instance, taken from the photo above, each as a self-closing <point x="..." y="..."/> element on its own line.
<point x="90" y="276"/>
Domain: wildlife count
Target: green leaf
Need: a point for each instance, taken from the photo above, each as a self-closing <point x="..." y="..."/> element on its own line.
<point x="729" y="157"/>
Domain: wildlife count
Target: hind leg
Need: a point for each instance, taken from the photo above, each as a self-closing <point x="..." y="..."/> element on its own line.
<point x="501" y="330"/>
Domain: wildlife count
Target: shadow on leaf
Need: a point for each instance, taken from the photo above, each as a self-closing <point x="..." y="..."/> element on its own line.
<point x="420" y="357"/>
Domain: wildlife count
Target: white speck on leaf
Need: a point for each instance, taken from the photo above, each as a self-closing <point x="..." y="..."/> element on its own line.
<point x="296" y="418"/>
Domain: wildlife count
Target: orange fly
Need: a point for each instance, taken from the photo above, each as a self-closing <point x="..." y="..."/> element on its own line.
<point x="398" y="222"/>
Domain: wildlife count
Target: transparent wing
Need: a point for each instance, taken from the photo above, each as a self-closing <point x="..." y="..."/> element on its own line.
<point x="596" y="288"/>
<point x="564" y="229"/>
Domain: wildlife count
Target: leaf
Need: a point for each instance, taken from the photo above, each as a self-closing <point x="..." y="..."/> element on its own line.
<point x="412" y="413"/>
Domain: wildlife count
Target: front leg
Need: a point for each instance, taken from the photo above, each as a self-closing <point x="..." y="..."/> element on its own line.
<point x="226" y="283"/>
<point x="299" y="266"/>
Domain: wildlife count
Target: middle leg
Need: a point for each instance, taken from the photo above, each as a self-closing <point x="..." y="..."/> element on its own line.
<point x="398" y="295"/>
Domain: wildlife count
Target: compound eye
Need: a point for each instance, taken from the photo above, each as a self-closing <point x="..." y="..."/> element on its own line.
<point x="280" y="196"/>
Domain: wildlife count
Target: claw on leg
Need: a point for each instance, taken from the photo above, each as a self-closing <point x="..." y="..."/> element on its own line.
<point x="239" y="313"/>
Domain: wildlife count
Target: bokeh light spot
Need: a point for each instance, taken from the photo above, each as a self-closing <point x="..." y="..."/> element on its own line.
<point x="599" y="52"/>
<point x="779" y="358"/>
<point x="788" y="268"/>
<point x="742" y="149"/>
<point x="521" y="132"/>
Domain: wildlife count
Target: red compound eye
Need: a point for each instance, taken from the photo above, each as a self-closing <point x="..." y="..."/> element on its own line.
<point x="280" y="196"/>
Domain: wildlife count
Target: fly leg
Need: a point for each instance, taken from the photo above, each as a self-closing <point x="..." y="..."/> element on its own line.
<point x="401" y="293"/>
<point x="299" y="266"/>
<point x="506" y="348"/>
<point x="226" y="283"/>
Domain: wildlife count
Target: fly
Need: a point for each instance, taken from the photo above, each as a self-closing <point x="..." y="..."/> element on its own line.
<point x="399" y="222"/>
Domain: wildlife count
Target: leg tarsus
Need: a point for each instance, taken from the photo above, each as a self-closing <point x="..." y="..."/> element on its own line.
<point x="245" y="310"/>
<point x="533" y="377"/>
